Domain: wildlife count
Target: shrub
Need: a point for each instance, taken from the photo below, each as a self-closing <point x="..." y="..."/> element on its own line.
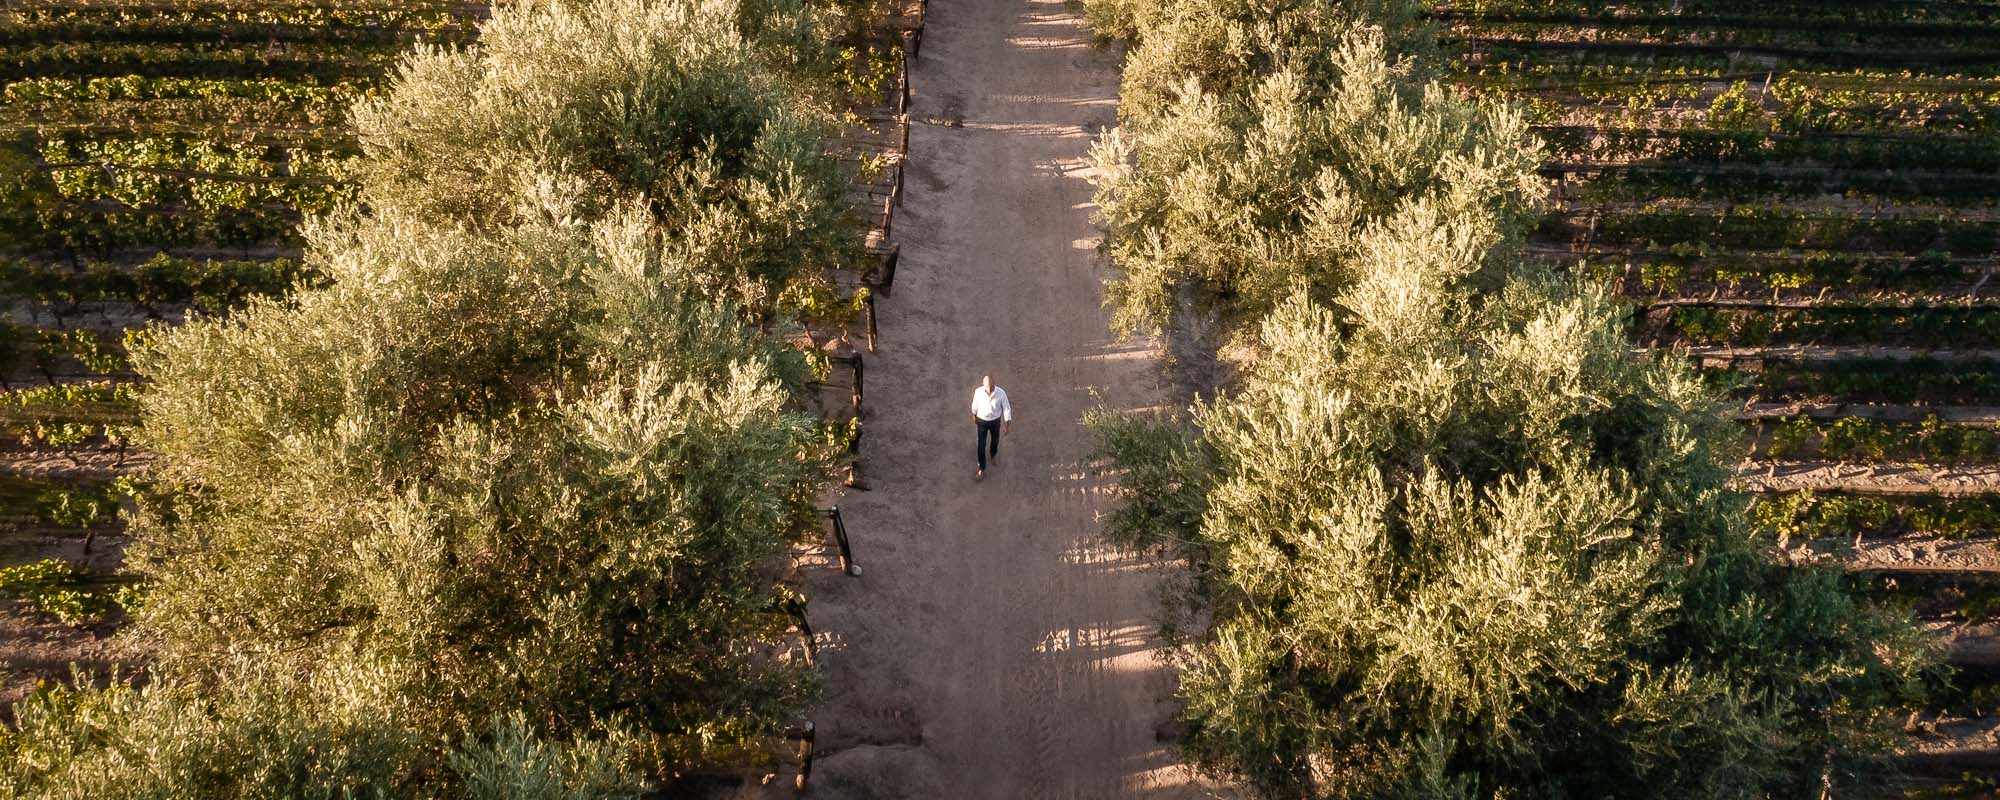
<point x="494" y="510"/>
<point x="1220" y="200"/>
<point x="1791" y="438"/>
<point x="1450" y="539"/>
<point x="611" y="100"/>
<point x="55" y="587"/>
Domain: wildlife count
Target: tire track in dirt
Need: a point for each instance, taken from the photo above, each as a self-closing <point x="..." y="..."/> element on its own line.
<point x="993" y="648"/>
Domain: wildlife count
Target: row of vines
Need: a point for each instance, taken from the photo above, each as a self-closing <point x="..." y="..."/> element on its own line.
<point x="156" y="161"/>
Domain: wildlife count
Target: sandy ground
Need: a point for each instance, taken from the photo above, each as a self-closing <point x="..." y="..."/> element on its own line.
<point x="1906" y="554"/>
<point x="992" y="648"/>
<point x="1886" y="412"/>
<point x="1879" y="477"/>
<point x="1951" y="746"/>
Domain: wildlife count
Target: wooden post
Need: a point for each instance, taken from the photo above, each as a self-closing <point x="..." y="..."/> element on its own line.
<point x="857" y="385"/>
<point x="803" y="733"/>
<point x="868" y="307"/>
<point x="888" y="277"/>
<point x="840" y="539"/>
<point x="903" y="78"/>
<point x="888" y="214"/>
<point x="796" y="607"/>
<point x="854" y="459"/>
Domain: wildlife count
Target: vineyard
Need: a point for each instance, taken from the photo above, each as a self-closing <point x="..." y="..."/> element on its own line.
<point x="284" y="301"/>
<point x="1803" y="197"/>
<point x="1454" y="535"/>
<point x="156" y="160"/>
<point x="423" y="398"/>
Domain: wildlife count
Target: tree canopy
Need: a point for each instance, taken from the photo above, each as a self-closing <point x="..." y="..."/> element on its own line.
<point x="609" y="100"/>
<point x="1450" y="536"/>
<point x="1222" y="194"/>
<point x="498" y="511"/>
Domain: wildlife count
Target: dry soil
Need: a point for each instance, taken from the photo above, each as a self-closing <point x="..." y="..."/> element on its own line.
<point x="993" y="647"/>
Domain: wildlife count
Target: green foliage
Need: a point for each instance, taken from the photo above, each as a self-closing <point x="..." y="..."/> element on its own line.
<point x="1790" y="438"/>
<point x="1812" y="515"/>
<point x="68" y="22"/>
<point x="841" y="437"/>
<point x="553" y="103"/>
<point x="818" y="365"/>
<point x="57" y="588"/>
<point x="1683" y="267"/>
<point x="210" y="286"/>
<point x="494" y="510"/>
<point x="102" y="411"/>
<point x="1451" y="538"/>
<point x="64" y="395"/>
<point x="266" y="737"/>
<point x="345" y="738"/>
<point x="1735" y="109"/>
<point x="1166" y="473"/>
<point x="1876" y="380"/>
<point x="1928" y="441"/>
<point x="515" y="763"/>
<point x="866" y="72"/>
<point x="86" y="347"/>
<point x="1227" y="47"/>
<point x="1852" y="440"/>
<point x="71" y="508"/>
<point x="66" y="503"/>
<point x="139" y="87"/>
<point x="816" y="302"/>
<point x="374" y="468"/>
<point x="1220" y="197"/>
<point x="1486" y="555"/>
<point x="1918" y="326"/>
<point x="80" y="190"/>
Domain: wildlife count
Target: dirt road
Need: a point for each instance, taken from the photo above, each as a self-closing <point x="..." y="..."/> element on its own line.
<point x="993" y="649"/>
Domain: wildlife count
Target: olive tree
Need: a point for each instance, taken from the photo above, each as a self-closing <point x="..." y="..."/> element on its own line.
<point x="271" y="736"/>
<point x="1226" y="46"/>
<point x="500" y="510"/>
<point x="531" y="475"/>
<point x="1449" y="537"/>
<point x="1463" y="547"/>
<point x="1224" y="204"/>
<point x="614" y="99"/>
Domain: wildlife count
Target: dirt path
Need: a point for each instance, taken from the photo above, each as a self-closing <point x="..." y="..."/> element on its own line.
<point x="1882" y="477"/>
<point x="993" y="649"/>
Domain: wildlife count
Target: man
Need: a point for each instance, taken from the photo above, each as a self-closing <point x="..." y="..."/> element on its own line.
<point x="991" y="414"/>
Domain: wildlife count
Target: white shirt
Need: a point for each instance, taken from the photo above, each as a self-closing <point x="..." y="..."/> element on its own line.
<point x="992" y="405"/>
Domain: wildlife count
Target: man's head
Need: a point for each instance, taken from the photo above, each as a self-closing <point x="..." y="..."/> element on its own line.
<point x="986" y="382"/>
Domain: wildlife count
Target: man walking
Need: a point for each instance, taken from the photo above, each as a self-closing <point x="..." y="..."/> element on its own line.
<point x="991" y="413"/>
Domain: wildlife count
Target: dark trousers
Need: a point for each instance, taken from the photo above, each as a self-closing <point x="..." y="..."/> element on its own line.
<point x="987" y="427"/>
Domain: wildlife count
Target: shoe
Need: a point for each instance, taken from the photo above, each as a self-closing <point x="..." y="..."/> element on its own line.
<point x="980" y="475"/>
